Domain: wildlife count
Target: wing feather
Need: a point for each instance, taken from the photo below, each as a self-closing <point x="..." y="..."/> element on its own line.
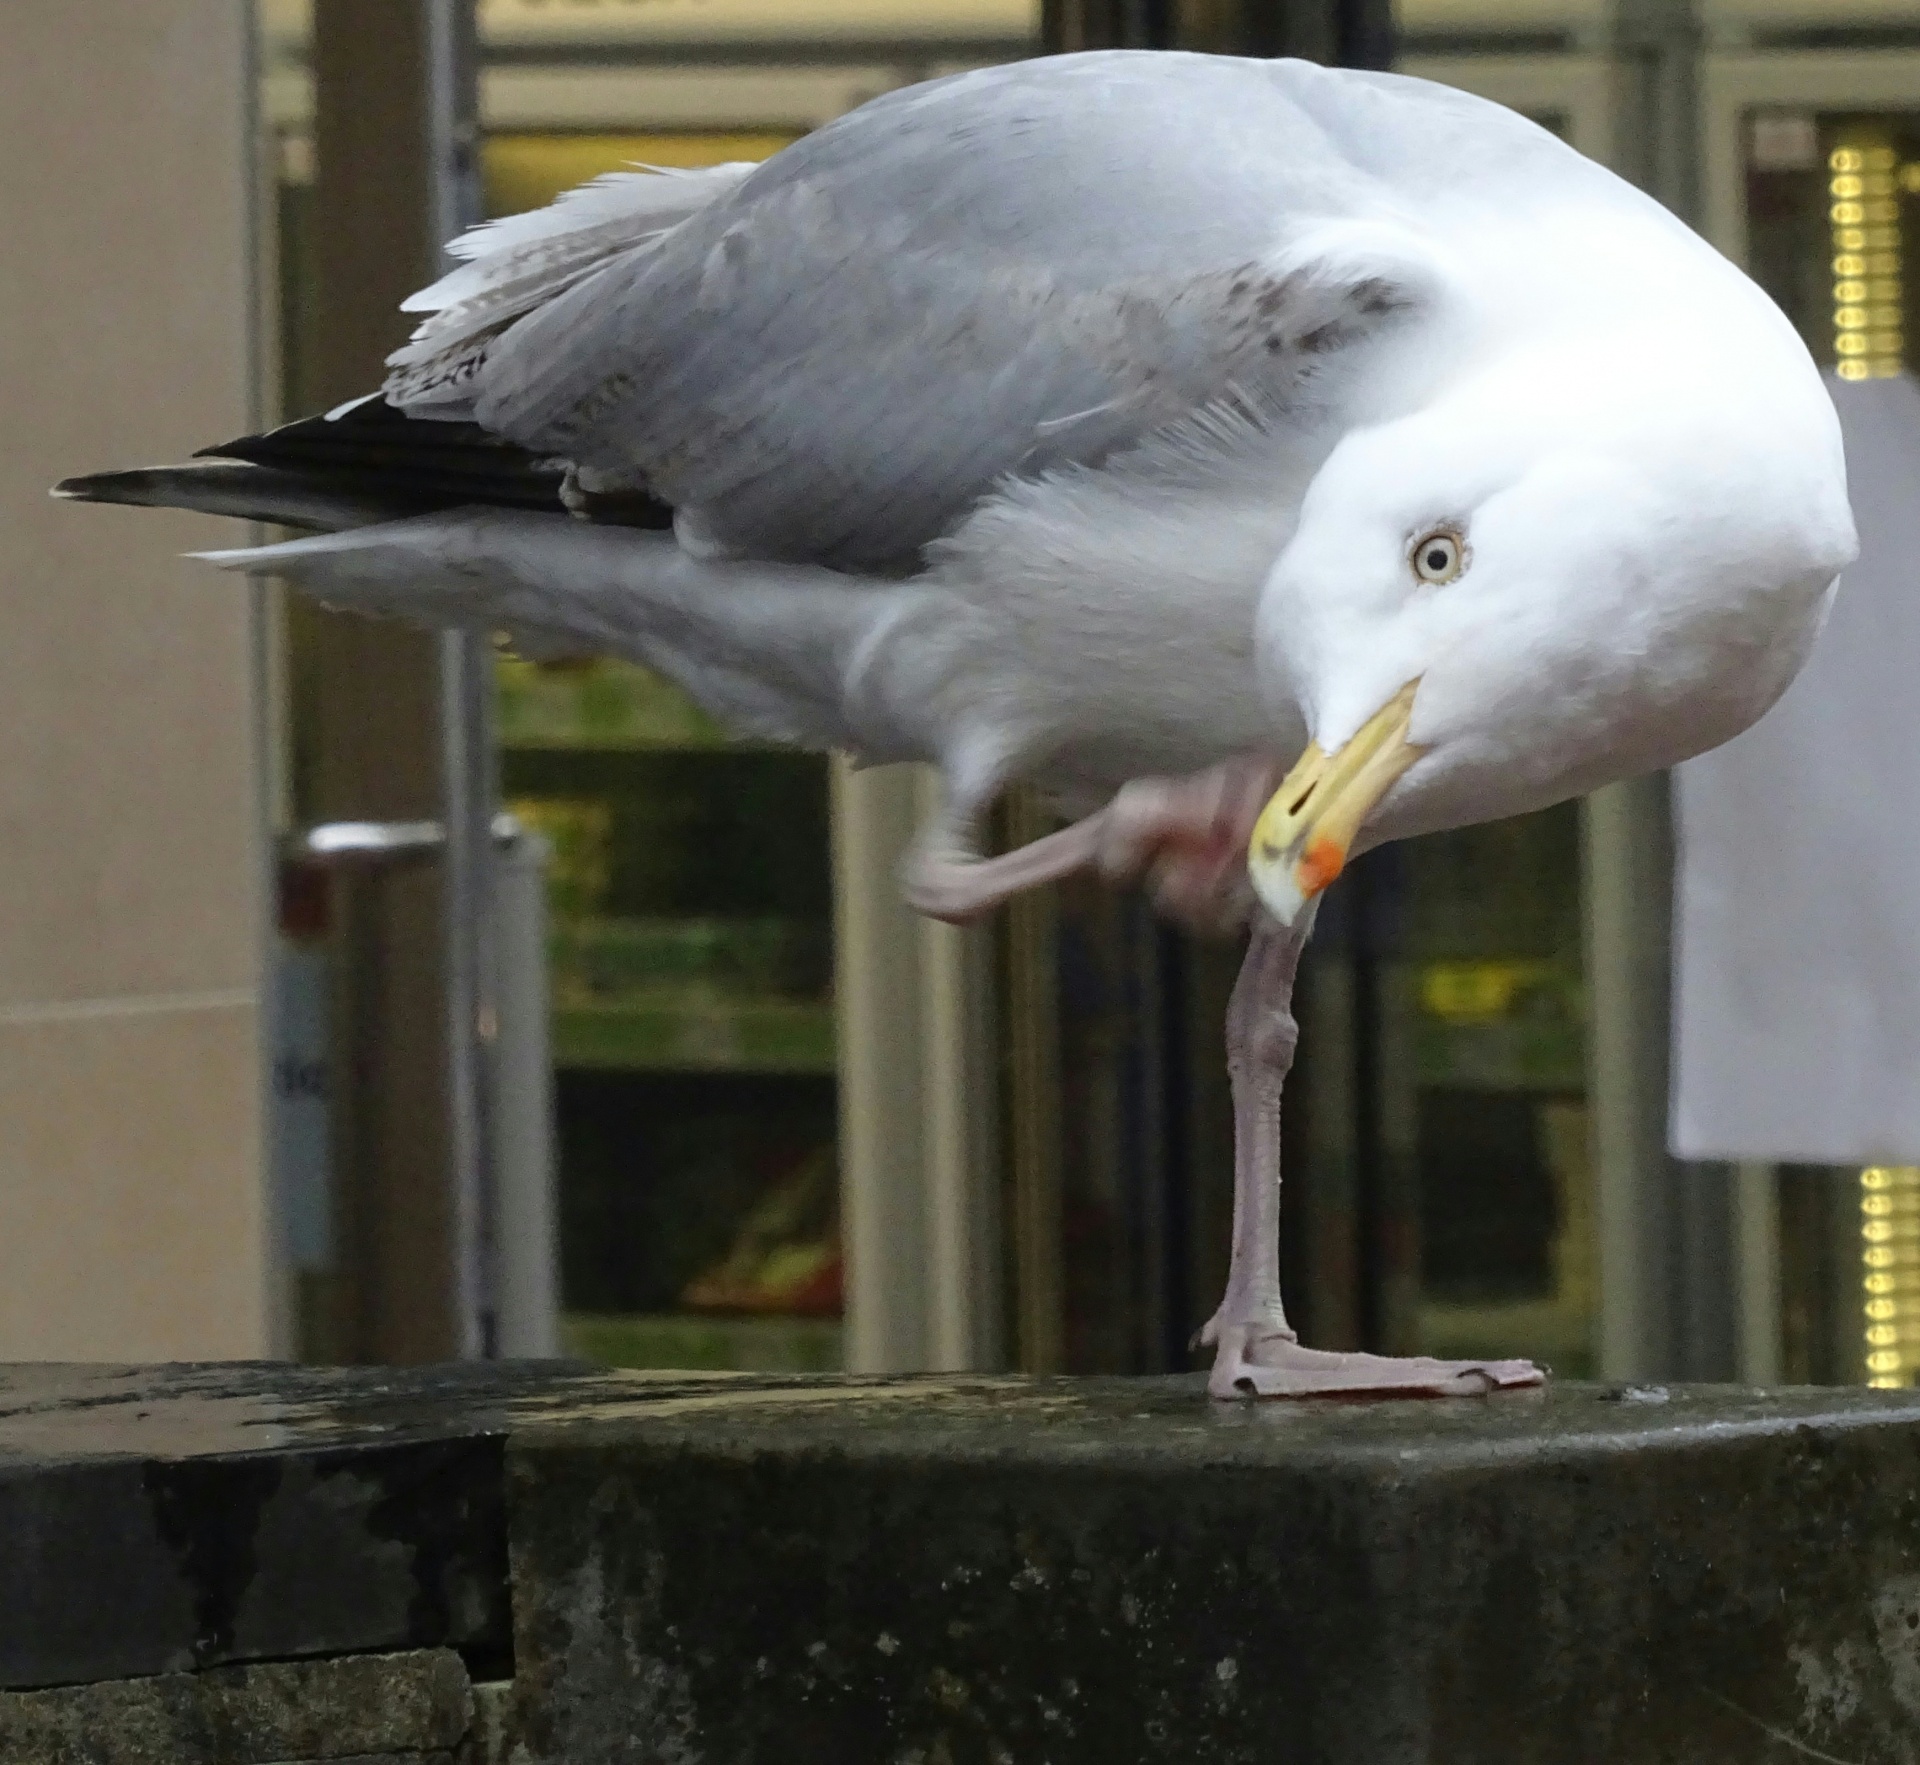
<point x="832" y="357"/>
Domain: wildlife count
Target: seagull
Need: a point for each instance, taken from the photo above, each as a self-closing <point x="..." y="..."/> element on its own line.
<point x="1263" y="461"/>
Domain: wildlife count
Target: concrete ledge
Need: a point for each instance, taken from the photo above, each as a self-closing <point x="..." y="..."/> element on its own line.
<point x="1112" y="1571"/>
<point x="396" y="1708"/>
<point x="163" y="1518"/>
<point x="971" y="1571"/>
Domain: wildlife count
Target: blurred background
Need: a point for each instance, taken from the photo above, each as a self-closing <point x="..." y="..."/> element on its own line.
<point x="371" y="996"/>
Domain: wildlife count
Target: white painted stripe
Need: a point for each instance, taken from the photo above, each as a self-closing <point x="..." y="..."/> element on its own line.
<point x="129" y="1005"/>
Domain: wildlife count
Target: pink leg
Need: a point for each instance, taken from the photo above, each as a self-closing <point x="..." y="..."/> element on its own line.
<point x="1188" y="836"/>
<point x="1257" y="1352"/>
<point x="945" y="883"/>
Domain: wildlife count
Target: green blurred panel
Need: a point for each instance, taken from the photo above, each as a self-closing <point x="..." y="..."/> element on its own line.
<point x="727" y="833"/>
<point x="598" y="704"/>
<point x="1517" y="1024"/>
<point x="607" y="961"/>
<point x="707" y="1345"/>
<point x="680" y="1035"/>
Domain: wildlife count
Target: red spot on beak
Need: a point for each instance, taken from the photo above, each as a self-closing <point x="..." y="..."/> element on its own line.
<point x="1319" y="865"/>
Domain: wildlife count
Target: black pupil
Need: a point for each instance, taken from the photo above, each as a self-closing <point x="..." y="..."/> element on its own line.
<point x="1437" y="559"/>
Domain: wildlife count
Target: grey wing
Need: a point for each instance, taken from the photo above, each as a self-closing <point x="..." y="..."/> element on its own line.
<point x="995" y="273"/>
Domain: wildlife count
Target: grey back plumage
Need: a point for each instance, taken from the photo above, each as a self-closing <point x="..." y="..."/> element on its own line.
<point x="996" y="273"/>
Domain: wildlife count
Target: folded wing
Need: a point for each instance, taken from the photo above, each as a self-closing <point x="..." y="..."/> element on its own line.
<point x="832" y="357"/>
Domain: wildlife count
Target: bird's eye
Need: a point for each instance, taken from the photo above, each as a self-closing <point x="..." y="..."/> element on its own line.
<point x="1438" y="556"/>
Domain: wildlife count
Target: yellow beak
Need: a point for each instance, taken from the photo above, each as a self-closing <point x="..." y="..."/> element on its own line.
<point x="1301" y="841"/>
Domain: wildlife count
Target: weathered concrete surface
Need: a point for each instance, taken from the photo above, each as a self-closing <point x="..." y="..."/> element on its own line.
<point x="155" y="1519"/>
<point x="961" y="1571"/>
<point x="739" y="1570"/>
<point x="395" y="1708"/>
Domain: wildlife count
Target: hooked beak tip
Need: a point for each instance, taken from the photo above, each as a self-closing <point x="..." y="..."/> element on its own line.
<point x="1302" y="838"/>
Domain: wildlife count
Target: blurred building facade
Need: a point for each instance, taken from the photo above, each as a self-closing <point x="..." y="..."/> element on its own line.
<point x="795" y="1127"/>
<point x="133" y="1216"/>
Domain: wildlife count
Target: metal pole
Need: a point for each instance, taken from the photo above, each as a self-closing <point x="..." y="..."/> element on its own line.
<point x="1668" y="1302"/>
<point x="469" y="783"/>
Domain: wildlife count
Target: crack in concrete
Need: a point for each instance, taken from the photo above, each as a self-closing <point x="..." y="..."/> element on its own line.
<point x="1779" y="1734"/>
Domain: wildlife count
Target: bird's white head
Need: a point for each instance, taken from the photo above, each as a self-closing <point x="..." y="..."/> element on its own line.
<point x="1524" y="591"/>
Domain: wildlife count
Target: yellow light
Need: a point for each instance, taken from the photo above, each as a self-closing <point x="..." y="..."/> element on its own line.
<point x="1868" y="302"/>
<point x="1890" y="1249"/>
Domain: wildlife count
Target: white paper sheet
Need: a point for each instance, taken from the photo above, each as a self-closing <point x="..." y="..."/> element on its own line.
<point x="1797" y="910"/>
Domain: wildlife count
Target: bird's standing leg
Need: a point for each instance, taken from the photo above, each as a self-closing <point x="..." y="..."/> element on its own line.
<point x="1188" y="838"/>
<point x="1257" y="1353"/>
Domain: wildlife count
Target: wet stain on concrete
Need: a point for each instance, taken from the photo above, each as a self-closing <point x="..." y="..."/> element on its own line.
<point x="207" y="1513"/>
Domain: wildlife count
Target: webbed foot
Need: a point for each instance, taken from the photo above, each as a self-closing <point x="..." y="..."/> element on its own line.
<point x="1257" y="1361"/>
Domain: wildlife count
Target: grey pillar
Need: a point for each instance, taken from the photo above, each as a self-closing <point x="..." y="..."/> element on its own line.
<point x="1668" y="1259"/>
<point x="393" y="146"/>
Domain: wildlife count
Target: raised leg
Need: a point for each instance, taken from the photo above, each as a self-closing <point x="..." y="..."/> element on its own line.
<point x="946" y="880"/>
<point x="1186" y="836"/>
<point x="1257" y="1353"/>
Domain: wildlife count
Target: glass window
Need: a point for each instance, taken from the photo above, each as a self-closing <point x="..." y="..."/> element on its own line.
<point x="691" y="962"/>
<point x="1829" y="191"/>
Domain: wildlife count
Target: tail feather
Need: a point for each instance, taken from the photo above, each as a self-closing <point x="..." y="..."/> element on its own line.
<point x="364" y="463"/>
<point x="229" y="487"/>
<point x="413" y="464"/>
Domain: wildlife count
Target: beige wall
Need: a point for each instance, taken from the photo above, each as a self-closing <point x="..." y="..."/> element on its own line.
<point x="132" y="1208"/>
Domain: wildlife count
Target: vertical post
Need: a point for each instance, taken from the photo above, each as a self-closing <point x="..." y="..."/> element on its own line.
<point x="879" y="1019"/>
<point x="1668" y="1238"/>
<point x="916" y="1133"/>
<point x="470" y="898"/>
<point x="468" y="762"/>
<point x="1656" y="64"/>
<point x="526" y="1265"/>
<point x="370" y="694"/>
<point x="1033" y="1108"/>
<point x="1627" y="876"/>
<point x="401" y="720"/>
<point x="958" y="1138"/>
<point x="1756" y="1224"/>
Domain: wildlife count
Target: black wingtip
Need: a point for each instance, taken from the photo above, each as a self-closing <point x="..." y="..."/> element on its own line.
<point x="141" y="486"/>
